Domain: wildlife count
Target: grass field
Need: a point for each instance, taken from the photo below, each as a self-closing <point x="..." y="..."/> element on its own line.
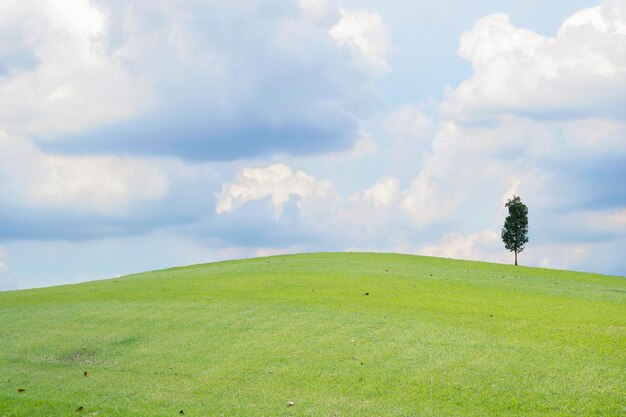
<point x="335" y="334"/>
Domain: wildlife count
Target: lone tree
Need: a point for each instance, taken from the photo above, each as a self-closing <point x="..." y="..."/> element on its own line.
<point x="515" y="230"/>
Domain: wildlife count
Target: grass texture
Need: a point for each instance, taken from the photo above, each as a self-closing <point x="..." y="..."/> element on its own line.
<point x="350" y="334"/>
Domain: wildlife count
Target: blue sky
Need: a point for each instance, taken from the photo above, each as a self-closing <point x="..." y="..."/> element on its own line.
<point x="141" y="135"/>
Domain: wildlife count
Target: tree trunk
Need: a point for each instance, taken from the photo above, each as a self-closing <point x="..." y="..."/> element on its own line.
<point x="515" y="257"/>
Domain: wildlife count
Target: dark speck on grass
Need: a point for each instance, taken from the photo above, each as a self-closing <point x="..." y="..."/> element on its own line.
<point x="81" y="408"/>
<point x="21" y="389"/>
<point x="181" y="412"/>
<point x="86" y="373"/>
<point x="366" y="293"/>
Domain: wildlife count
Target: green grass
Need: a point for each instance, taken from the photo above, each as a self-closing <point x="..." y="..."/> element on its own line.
<point x="434" y="337"/>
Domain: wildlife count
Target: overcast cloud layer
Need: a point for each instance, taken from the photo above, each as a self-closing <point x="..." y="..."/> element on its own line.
<point x="139" y="135"/>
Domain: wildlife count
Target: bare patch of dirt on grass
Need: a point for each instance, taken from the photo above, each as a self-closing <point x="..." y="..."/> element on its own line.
<point x="78" y="356"/>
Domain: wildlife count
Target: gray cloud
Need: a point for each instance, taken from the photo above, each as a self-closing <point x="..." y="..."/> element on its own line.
<point x="23" y="223"/>
<point x="262" y="81"/>
<point x="226" y="82"/>
<point x="196" y="139"/>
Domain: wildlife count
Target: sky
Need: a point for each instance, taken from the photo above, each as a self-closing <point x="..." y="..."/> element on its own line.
<point x="138" y="135"/>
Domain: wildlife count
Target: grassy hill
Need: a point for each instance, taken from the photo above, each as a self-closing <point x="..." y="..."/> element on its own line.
<point x="334" y="334"/>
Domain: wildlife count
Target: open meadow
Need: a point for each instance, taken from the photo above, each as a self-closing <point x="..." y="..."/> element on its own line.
<point x="328" y="334"/>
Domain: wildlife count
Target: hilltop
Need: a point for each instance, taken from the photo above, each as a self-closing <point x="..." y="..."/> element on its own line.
<point x="329" y="334"/>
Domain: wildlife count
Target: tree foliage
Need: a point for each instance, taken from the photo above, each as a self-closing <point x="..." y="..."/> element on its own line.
<point x="515" y="230"/>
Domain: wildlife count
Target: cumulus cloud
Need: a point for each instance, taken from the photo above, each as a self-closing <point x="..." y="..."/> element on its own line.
<point x="485" y="245"/>
<point x="322" y="12"/>
<point x="321" y="212"/>
<point x="462" y="169"/>
<point x="277" y="181"/>
<point x="4" y="261"/>
<point x="579" y="72"/>
<point x="277" y="251"/>
<point x="475" y="246"/>
<point x="364" y="34"/>
<point x="410" y="124"/>
<point x="511" y="126"/>
<point x="46" y="196"/>
<point x="7" y="280"/>
<point x="569" y="255"/>
<point x="565" y="170"/>
<point x="426" y="201"/>
<point x="411" y="130"/>
<point x="613" y="221"/>
<point x="465" y="168"/>
<point x="539" y="117"/>
<point x="156" y="78"/>
<point x="383" y="193"/>
<point x="56" y="75"/>
<point x="97" y="184"/>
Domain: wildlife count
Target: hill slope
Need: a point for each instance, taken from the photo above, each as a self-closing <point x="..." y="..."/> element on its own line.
<point x="336" y="334"/>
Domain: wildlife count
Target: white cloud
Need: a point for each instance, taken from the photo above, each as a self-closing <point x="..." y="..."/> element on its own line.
<point x="4" y="261"/>
<point x="465" y="173"/>
<point x="580" y="71"/>
<point x="6" y="278"/>
<point x="610" y="18"/>
<point x="277" y="251"/>
<point x="164" y="78"/>
<point x="411" y="130"/>
<point x="410" y="124"/>
<point x="99" y="184"/>
<point x="277" y="181"/>
<point x="426" y="201"/>
<point x="557" y="255"/>
<point x="475" y="168"/>
<point x="612" y="220"/>
<point x="511" y="191"/>
<point x="475" y="246"/>
<point x="449" y="202"/>
<point x="363" y="215"/>
<point x="364" y="34"/>
<point x="458" y="166"/>
<point x="557" y="168"/>
<point x="383" y="193"/>
<point x="322" y="12"/>
<point x="486" y="245"/>
<point x="72" y="83"/>
<point x="595" y="136"/>
<point x="494" y="36"/>
<point x="364" y="146"/>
